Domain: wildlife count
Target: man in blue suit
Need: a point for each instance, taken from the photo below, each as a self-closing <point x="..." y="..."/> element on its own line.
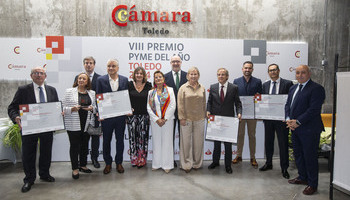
<point x="89" y="65"/>
<point x="276" y="85"/>
<point x="247" y="86"/>
<point x="303" y="116"/>
<point x="175" y="79"/>
<point x="112" y="82"/>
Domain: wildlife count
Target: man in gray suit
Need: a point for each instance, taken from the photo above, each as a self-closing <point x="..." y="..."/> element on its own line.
<point x="222" y="100"/>
<point x="276" y="85"/>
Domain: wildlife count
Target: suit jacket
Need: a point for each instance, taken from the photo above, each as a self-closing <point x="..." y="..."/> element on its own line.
<point x="215" y="107"/>
<point x="307" y="108"/>
<point x="72" y="119"/>
<point x="93" y="81"/>
<point x="169" y="80"/>
<point x="103" y="85"/>
<point x="25" y="95"/>
<point x="254" y="86"/>
<point x="283" y="89"/>
<point x="169" y="113"/>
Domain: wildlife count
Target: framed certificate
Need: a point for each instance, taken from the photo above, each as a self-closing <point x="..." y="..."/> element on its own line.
<point x="222" y="128"/>
<point x="41" y="117"/>
<point x="113" y="104"/>
<point x="247" y="107"/>
<point x="270" y="107"/>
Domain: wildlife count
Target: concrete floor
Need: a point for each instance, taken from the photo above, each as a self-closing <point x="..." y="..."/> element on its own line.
<point x="245" y="183"/>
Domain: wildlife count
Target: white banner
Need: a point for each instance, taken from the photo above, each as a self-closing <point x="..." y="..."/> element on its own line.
<point x="64" y="59"/>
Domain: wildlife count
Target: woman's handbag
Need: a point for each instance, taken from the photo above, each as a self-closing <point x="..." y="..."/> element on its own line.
<point x="95" y="128"/>
<point x="91" y="130"/>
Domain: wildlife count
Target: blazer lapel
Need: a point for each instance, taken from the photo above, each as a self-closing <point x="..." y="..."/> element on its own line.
<point x="31" y="98"/>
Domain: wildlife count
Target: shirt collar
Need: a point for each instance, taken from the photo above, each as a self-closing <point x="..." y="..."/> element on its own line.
<point x="36" y="85"/>
<point x="277" y="81"/>
<point x="225" y="85"/>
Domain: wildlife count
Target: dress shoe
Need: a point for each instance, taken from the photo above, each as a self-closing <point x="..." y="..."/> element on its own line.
<point x="237" y="160"/>
<point x="107" y="169"/>
<point x="213" y="165"/>
<point x="120" y="168"/>
<point x="140" y="166"/>
<point x="229" y="169"/>
<point x="48" y="179"/>
<point x="297" y="181"/>
<point x="285" y="174"/>
<point x="187" y="170"/>
<point x="167" y="170"/>
<point x="254" y="163"/>
<point x="87" y="170"/>
<point x="75" y="176"/>
<point x="26" y="187"/>
<point x="309" y="190"/>
<point x="175" y="165"/>
<point x="95" y="163"/>
<point x="265" y="167"/>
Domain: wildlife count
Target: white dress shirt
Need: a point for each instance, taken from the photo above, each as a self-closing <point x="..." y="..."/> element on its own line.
<point x="278" y="82"/>
<point x="225" y="88"/>
<point x="114" y="83"/>
<point x="37" y="90"/>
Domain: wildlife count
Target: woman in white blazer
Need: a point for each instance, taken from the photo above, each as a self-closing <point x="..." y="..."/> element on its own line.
<point x="161" y="107"/>
<point x="78" y="106"/>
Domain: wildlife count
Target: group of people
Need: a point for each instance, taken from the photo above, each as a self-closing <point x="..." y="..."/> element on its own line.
<point x="175" y="101"/>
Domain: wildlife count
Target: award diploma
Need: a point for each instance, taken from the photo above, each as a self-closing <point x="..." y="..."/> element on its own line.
<point x="41" y="117"/>
<point x="113" y="104"/>
<point x="270" y="107"/>
<point x="222" y="128"/>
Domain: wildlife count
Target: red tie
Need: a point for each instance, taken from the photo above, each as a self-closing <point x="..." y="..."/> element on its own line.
<point x="222" y="95"/>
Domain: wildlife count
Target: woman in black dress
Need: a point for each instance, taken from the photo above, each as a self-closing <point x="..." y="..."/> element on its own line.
<point x="138" y="122"/>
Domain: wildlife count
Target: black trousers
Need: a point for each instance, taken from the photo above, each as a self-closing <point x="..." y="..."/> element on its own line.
<point x="79" y="148"/>
<point x="29" y="150"/>
<point x="278" y="127"/>
<point x="217" y="153"/>
<point x="95" y="145"/>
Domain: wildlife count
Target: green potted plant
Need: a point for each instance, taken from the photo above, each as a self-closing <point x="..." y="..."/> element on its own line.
<point x="12" y="137"/>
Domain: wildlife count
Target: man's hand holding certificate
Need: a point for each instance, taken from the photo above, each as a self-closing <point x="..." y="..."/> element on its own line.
<point x="113" y="104"/>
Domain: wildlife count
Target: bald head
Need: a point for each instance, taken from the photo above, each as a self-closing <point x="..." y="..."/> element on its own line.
<point x="176" y="62"/>
<point x="302" y="73"/>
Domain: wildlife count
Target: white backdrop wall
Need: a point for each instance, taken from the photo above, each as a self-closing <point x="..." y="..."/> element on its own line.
<point x="62" y="56"/>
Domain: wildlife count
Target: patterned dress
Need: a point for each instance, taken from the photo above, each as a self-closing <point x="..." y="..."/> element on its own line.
<point x="138" y="125"/>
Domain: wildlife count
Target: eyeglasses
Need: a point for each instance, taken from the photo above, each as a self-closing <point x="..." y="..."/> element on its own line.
<point x="39" y="73"/>
<point x="273" y="70"/>
<point x="175" y="61"/>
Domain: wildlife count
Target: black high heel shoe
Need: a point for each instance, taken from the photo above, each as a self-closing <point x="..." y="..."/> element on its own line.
<point x="85" y="170"/>
<point x="75" y="176"/>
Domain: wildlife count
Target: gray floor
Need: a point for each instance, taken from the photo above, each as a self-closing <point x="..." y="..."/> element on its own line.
<point x="245" y="183"/>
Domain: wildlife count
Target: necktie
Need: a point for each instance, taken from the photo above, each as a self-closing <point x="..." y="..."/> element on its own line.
<point x="222" y="95"/>
<point x="41" y="95"/>
<point x="274" y="88"/>
<point x="294" y="101"/>
<point x="177" y="83"/>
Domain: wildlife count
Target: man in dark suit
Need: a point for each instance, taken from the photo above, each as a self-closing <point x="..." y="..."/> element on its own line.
<point x="247" y="86"/>
<point x="276" y="85"/>
<point x="112" y="82"/>
<point x="303" y="116"/>
<point x="175" y="79"/>
<point x="222" y="100"/>
<point x="89" y="65"/>
<point x="36" y="92"/>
